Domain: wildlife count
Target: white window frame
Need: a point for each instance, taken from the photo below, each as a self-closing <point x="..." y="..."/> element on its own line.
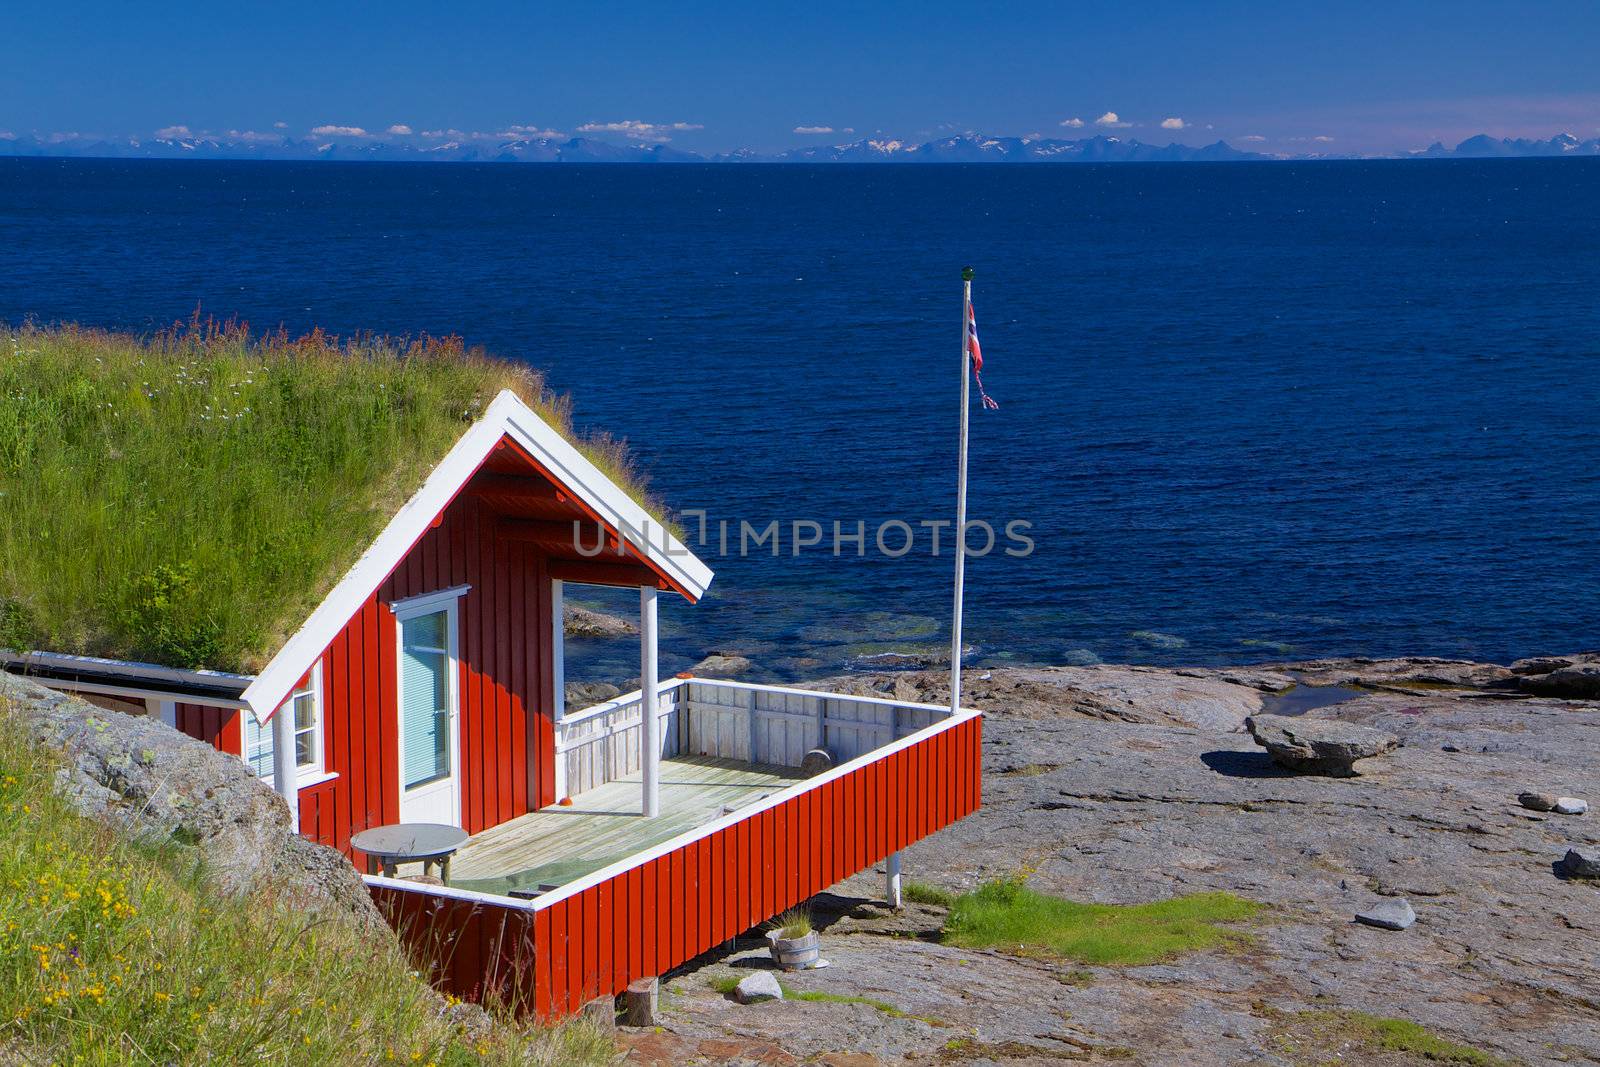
<point x="447" y="601"/>
<point x="308" y="774"/>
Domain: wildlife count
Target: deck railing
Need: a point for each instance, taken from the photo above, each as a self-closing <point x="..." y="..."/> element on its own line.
<point x="653" y="911"/>
<point x="732" y="720"/>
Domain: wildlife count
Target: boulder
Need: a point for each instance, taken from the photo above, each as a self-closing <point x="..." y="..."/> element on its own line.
<point x="1569" y="806"/>
<point x="1318" y="746"/>
<point x="151" y="782"/>
<point x="1536" y="801"/>
<point x="1580" y="681"/>
<point x="1581" y="862"/>
<point x="1540" y="664"/>
<point x="586" y="622"/>
<point x="758" y="987"/>
<point x="721" y="665"/>
<point x="582" y="695"/>
<point x="1395" y="914"/>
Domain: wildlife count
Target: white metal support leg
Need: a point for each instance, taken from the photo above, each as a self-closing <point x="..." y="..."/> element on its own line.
<point x="891" y="880"/>
<point x="650" y="702"/>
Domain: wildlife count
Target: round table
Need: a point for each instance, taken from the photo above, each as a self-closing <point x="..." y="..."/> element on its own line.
<point x="411" y="842"/>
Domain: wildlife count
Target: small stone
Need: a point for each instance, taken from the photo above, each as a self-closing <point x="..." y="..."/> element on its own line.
<point x="1536" y="801"/>
<point x="758" y="987"/>
<point x="1581" y="863"/>
<point x="1393" y="914"/>
<point x="602" y="1012"/>
<point x="1570" y="806"/>
<point x="1318" y="746"/>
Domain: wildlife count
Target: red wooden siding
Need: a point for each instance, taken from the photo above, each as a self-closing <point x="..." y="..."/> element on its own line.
<point x="217" y="727"/>
<point x="661" y="913"/>
<point x="505" y="685"/>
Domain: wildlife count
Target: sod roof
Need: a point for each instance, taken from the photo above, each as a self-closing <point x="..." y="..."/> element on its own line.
<point x="188" y="499"/>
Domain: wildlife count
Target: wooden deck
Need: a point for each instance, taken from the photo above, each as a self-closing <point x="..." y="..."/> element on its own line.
<point x="555" y="845"/>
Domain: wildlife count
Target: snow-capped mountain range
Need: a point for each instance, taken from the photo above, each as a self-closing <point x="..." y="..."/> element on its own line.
<point x="960" y="149"/>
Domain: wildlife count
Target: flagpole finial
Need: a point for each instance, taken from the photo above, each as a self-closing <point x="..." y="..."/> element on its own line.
<point x="966" y="274"/>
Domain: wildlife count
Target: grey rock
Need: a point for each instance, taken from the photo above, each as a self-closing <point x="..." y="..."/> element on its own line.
<point x="1393" y="914"/>
<point x="758" y="987"/>
<point x="1318" y="746"/>
<point x="721" y="665"/>
<point x="150" y="782"/>
<point x="1141" y="808"/>
<point x="1540" y="664"/>
<point x="1426" y="671"/>
<point x="586" y="622"/>
<point x="1581" y="862"/>
<point x="1581" y="681"/>
<point x="1111" y="693"/>
<point x="1536" y="801"/>
<point x="582" y="695"/>
<point x="1079" y="657"/>
<point x="1570" y="806"/>
<point x="1159" y="640"/>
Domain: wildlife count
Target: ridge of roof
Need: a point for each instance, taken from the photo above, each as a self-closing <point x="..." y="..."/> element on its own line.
<point x="506" y="416"/>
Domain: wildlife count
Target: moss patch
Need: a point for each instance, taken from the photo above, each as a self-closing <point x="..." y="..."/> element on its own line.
<point x="924" y="893"/>
<point x="1007" y="915"/>
<point x="1321" y="1036"/>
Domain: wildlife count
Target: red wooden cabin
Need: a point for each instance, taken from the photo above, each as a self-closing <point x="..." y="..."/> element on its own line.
<point x="427" y="687"/>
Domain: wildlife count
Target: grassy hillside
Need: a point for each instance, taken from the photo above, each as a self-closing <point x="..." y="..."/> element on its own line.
<point x="187" y="499"/>
<point x="111" y="953"/>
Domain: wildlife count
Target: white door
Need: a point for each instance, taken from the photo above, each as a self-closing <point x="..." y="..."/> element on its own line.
<point x="430" y="721"/>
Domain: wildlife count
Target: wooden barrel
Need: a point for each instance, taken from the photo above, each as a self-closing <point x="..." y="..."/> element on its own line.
<point x="794" y="953"/>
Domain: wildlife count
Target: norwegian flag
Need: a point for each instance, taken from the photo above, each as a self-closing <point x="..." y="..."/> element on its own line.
<point x="976" y="352"/>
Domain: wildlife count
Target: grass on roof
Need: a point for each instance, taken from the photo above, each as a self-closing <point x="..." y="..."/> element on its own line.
<point x="188" y="499"/>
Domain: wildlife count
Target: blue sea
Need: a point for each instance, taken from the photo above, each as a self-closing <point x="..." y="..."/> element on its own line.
<point x="1251" y="411"/>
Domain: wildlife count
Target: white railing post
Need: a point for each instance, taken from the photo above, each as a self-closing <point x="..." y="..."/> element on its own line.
<point x="649" y="700"/>
<point x="891" y="880"/>
<point x="285" y="772"/>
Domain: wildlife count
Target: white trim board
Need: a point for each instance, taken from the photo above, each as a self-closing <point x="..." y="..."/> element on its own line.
<point x="509" y="417"/>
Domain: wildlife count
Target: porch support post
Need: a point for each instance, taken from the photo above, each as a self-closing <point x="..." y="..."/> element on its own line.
<point x="284" y="770"/>
<point x="891" y="880"/>
<point x="558" y="647"/>
<point x="649" y="702"/>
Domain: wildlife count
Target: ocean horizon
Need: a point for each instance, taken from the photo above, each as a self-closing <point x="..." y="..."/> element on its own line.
<point x="1245" y="413"/>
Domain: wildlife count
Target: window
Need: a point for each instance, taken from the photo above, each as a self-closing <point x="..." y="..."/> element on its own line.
<point x="305" y="704"/>
<point x="425" y="699"/>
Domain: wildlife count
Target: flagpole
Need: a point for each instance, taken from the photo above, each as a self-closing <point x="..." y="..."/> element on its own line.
<point x="961" y="498"/>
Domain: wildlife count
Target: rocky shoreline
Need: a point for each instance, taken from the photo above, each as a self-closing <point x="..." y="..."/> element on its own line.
<point x="1132" y="784"/>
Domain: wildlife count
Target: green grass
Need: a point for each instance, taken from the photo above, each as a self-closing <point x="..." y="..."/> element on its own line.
<point x="114" y="954"/>
<point x="188" y="498"/>
<point x="1007" y="915"/>
<point x="727" y="983"/>
<point x="923" y="893"/>
<point x="796" y="922"/>
<point x="1402" y="1035"/>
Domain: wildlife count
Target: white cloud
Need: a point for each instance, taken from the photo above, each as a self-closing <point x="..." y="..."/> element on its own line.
<point x="254" y="137"/>
<point x="168" y="133"/>
<point x="280" y="125"/>
<point x="519" y="132"/>
<point x="1324" y="138"/>
<point x="813" y="129"/>
<point x="1110" y="119"/>
<point x="1173" y="123"/>
<point x="339" y="131"/>
<point x="641" y="131"/>
<point x="1072" y="123"/>
<point x="7" y="135"/>
<point x="400" y="129"/>
<point x="1252" y="137"/>
<point x="848" y="129"/>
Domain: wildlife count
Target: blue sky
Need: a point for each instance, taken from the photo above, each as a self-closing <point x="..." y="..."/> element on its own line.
<point x="712" y="77"/>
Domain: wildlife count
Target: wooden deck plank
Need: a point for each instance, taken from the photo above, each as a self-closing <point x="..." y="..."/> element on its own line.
<point x="557" y="844"/>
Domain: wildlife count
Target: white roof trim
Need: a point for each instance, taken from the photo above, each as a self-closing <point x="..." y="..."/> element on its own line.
<point x="507" y="416"/>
